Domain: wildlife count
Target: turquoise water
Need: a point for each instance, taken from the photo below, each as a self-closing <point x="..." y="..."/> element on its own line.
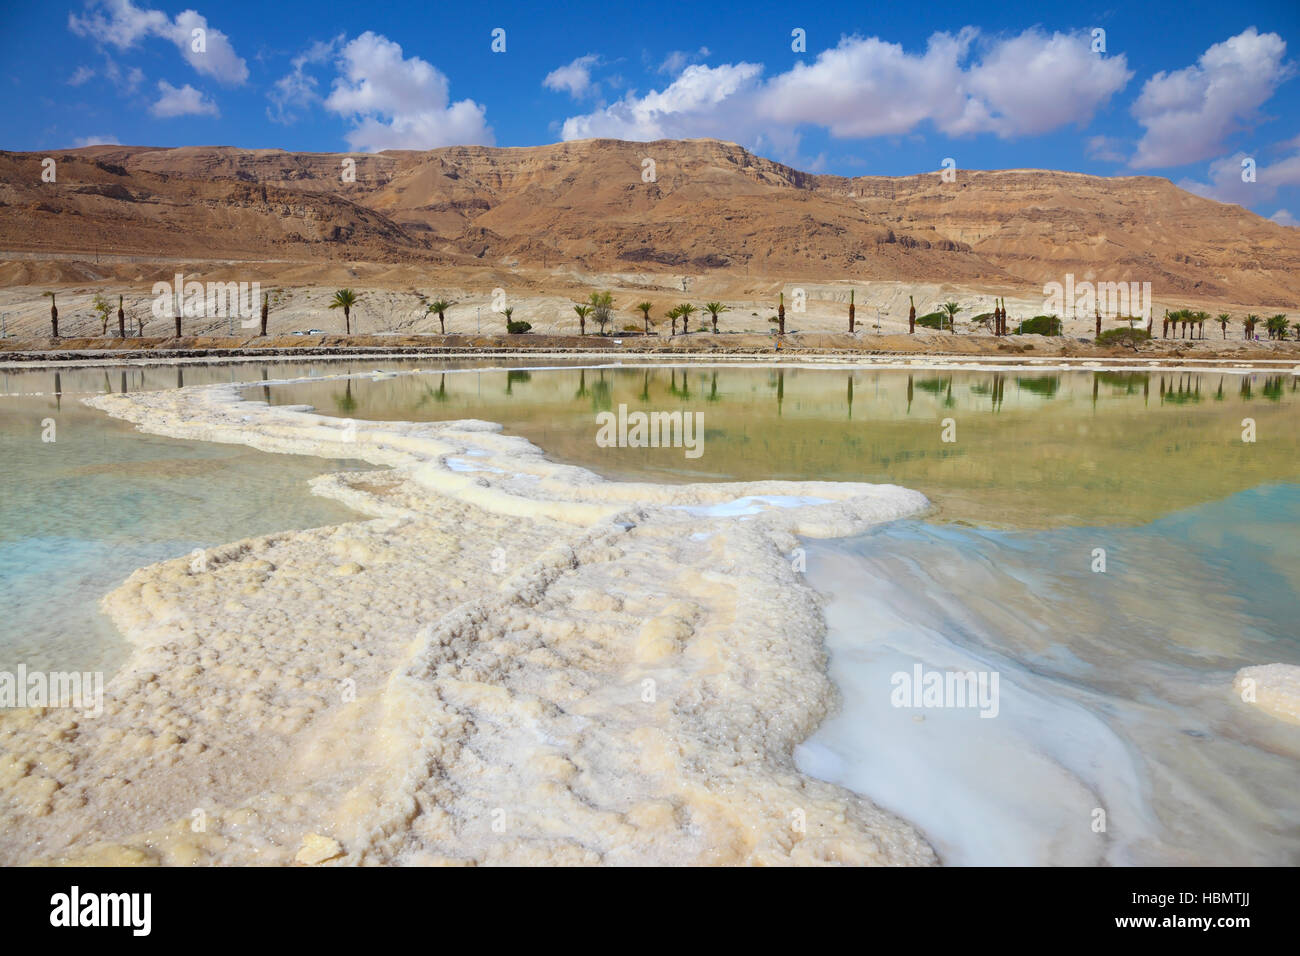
<point x="82" y="512"/>
<point x="1115" y="686"/>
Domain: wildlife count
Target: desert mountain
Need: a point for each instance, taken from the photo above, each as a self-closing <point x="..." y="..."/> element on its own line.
<point x="709" y="207"/>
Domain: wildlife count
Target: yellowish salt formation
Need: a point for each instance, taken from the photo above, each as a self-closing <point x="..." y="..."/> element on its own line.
<point x="509" y="661"/>
<point x="317" y="849"/>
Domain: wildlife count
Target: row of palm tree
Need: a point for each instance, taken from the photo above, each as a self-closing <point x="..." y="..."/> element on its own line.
<point x="1187" y="320"/>
<point x="343" y="299"/>
<point x="600" y="308"/>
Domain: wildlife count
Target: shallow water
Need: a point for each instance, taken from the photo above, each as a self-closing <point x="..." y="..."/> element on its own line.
<point x="80" y="513"/>
<point x="1032" y="449"/>
<point x="1115" y="688"/>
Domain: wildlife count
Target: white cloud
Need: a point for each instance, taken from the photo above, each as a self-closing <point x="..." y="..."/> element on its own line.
<point x="689" y="106"/>
<point x="679" y="60"/>
<point x="1034" y="83"/>
<point x="1190" y="113"/>
<point x="869" y="87"/>
<point x="1283" y="217"/>
<point x="574" y="78"/>
<point x="95" y="141"/>
<point x="1225" y="183"/>
<point x="123" y="25"/>
<point x="81" y="75"/>
<point x="128" y="82"/>
<point x="296" y="90"/>
<point x="399" y="103"/>
<point x="1022" y="85"/>
<point x="1107" y="149"/>
<point x="181" y="101"/>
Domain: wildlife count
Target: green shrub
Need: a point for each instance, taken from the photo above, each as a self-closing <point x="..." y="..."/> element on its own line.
<point x="1124" y="336"/>
<point x="1039" y="325"/>
<point x="935" y="320"/>
<point x="518" y="328"/>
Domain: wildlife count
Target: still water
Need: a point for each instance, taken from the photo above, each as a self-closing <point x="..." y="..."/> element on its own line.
<point x="1115" y="686"/>
<point x="1118" y="739"/>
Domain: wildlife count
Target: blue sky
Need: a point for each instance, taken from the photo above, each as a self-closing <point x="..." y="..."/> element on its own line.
<point x="1182" y="90"/>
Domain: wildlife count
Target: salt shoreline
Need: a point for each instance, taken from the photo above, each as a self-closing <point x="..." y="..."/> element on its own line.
<point x="317" y="777"/>
<point x="625" y="688"/>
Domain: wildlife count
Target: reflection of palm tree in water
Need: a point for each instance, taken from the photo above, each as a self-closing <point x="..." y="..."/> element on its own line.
<point x="345" y="402"/>
<point x="684" y="392"/>
<point x="645" y="387"/>
<point x="582" y="384"/>
<point x="439" y="396"/>
<point x="909" y="394"/>
<point x="713" y="389"/>
<point x="850" y="390"/>
<point x="602" y="394"/>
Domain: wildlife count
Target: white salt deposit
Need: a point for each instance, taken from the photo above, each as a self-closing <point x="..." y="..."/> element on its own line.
<point x="526" y="664"/>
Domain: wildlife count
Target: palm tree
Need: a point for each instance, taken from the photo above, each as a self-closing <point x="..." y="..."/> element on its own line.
<point x="602" y="305"/>
<point x="673" y="313"/>
<point x="1277" y="326"/>
<point x="439" y="308"/>
<point x="852" y="312"/>
<point x="713" y="308"/>
<point x="508" y="312"/>
<point x="345" y="299"/>
<point x="1223" y="320"/>
<point x="952" y="308"/>
<point x="686" y="310"/>
<point x="266" y="311"/>
<point x="583" y="311"/>
<point x="911" y="316"/>
<point x="780" y="315"/>
<point x="645" y="308"/>
<point x="54" y="313"/>
<point x="1201" y="319"/>
<point x="121" y="319"/>
<point x="1251" y="321"/>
